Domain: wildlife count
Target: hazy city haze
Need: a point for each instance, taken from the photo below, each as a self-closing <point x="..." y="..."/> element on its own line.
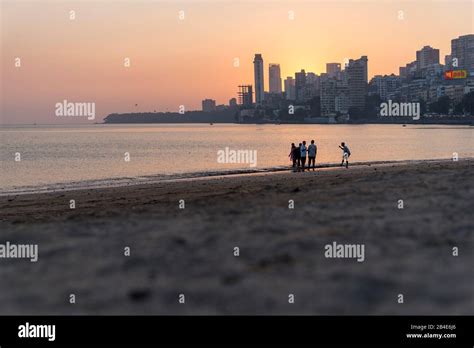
<point x="177" y="61"/>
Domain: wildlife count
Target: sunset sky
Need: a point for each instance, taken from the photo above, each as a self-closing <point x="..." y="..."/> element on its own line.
<point x="180" y="62"/>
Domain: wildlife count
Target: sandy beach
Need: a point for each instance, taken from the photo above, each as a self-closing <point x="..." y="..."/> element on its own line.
<point x="190" y="251"/>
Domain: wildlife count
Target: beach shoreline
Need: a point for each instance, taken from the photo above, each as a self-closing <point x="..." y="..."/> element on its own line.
<point x="191" y="251"/>
<point x="183" y="177"/>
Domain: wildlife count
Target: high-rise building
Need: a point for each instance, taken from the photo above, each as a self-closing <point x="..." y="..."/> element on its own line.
<point x="208" y="105"/>
<point x="274" y="100"/>
<point x="334" y="97"/>
<point x="462" y="51"/>
<point x="447" y="62"/>
<point x="341" y="102"/>
<point x="274" y="78"/>
<point x="328" y="97"/>
<point x="311" y="87"/>
<point x="357" y="76"/>
<point x="245" y="95"/>
<point x="385" y="86"/>
<point x="333" y="69"/>
<point x="426" y="57"/>
<point x="408" y="70"/>
<point x="290" y="88"/>
<point x="312" y="78"/>
<point x="300" y="83"/>
<point x="259" y="81"/>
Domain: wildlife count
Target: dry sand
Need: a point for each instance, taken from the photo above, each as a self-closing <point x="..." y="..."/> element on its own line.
<point x="407" y="251"/>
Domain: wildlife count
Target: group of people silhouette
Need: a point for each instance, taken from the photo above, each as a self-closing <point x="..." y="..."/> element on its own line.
<point x="298" y="155"/>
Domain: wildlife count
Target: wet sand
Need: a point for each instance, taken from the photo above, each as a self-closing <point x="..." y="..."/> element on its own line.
<point x="190" y="251"/>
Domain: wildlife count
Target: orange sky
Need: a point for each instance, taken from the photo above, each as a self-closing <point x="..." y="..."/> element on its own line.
<point x="180" y="62"/>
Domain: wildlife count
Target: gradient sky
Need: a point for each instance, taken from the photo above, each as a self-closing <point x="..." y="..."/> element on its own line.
<point x="180" y="62"/>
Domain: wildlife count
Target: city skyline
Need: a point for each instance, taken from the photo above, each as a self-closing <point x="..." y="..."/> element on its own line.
<point x="345" y="86"/>
<point x="74" y="61"/>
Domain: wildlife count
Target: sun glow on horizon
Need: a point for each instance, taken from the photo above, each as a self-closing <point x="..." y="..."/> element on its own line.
<point x="182" y="61"/>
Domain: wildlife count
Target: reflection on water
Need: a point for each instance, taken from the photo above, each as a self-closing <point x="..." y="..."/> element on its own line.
<point x="54" y="154"/>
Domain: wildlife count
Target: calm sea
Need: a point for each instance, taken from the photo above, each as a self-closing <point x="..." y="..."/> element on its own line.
<point x="76" y="156"/>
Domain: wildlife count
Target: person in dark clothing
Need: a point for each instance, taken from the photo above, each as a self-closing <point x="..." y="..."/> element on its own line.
<point x="292" y="156"/>
<point x="298" y="156"/>
<point x="312" y="150"/>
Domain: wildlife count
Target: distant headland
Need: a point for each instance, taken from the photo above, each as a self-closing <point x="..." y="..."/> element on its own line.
<point x="234" y="116"/>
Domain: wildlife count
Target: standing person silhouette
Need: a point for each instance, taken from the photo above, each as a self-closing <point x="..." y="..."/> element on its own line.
<point x="293" y="156"/>
<point x="303" y="151"/>
<point x="312" y="150"/>
<point x="345" y="154"/>
<point x="298" y="156"/>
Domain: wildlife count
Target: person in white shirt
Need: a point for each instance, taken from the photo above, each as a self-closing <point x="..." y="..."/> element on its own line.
<point x="345" y="154"/>
<point x="303" y="151"/>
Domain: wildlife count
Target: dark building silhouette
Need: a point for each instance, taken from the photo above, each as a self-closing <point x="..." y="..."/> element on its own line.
<point x="208" y="105"/>
<point x="259" y="80"/>
<point x="245" y="95"/>
<point x="300" y="83"/>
